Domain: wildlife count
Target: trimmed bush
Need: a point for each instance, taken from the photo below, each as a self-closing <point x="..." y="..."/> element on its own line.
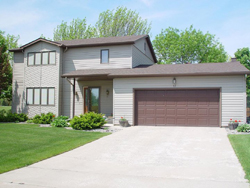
<point x="60" y="121"/>
<point x="243" y="128"/>
<point x="87" y="121"/>
<point x="44" y="118"/>
<point x="7" y="116"/>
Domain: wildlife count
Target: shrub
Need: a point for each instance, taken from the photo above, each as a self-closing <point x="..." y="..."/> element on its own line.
<point x="44" y="118"/>
<point x="87" y="121"/>
<point x="60" y="121"/>
<point x="7" y="116"/>
<point x="243" y="128"/>
<point x="29" y="121"/>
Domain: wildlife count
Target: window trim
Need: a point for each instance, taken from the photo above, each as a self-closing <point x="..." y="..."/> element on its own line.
<point x="41" y="64"/>
<point x="101" y="56"/>
<point x="40" y="102"/>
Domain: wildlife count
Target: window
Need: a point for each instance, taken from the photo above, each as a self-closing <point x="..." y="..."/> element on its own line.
<point x="45" y="58"/>
<point x="37" y="58"/>
<point x="42" y="58"/>
<point x="145" y="46"/>
<point x="31" y="59"/>
<point x="41" y="96"/>
<point x="104" y="56"/>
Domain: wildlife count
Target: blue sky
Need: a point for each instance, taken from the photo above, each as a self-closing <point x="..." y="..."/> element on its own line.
<point x="229" y="20"/>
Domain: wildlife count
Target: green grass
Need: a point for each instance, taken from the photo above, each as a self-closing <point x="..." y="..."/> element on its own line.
<point x="241" y="145"/>
<point x="5" y="107"/>
<point x="22" y="144"/>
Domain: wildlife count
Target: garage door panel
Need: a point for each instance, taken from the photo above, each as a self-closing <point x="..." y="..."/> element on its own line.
<point x="182" y="107"/>
<point x="191" y="111"/>
<point x="171" y="112"/>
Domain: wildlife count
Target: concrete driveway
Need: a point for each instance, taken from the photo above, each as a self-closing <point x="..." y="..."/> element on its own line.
<point x="140" y="157"/>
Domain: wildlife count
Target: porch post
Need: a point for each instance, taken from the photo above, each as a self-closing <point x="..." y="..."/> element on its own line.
<point x="74" y="96"/>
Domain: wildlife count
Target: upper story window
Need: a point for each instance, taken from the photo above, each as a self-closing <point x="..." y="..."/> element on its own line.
<point x="145" y="46"/>
<point x="41" y="58"/>
<point x="104" y="56"/>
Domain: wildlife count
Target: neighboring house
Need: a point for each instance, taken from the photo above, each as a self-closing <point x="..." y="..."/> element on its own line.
<point x="119" y="77"/>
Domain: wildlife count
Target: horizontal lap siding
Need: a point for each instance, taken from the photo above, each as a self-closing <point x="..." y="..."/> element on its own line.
<point x="120" y="56"/>
<point x="139" y="58"/>
<point x="232" y="87"/>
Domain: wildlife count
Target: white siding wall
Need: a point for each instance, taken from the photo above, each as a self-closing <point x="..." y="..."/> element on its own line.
<point x="233" y="90"/>
<point x="18" y="97"/>
<point x="140" y="45"/>
<point x="139" y="58"/>
<point x="42" y="76"/>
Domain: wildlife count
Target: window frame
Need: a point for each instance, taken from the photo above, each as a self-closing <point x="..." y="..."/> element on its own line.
<point x="40" y="99"/>
<point x="101" y="56"/>
<point x="41" y="62"/>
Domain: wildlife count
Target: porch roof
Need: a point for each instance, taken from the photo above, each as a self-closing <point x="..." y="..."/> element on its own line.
<point x="156" y="70"/>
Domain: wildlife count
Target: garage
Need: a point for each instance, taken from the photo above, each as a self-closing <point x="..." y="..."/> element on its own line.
<point x="177" y="107"/>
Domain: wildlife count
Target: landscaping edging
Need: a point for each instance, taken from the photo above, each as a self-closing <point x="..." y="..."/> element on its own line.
<point x="235" y="132"/>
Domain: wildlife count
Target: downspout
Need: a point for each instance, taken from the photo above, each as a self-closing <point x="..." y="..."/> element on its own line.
<point x="74" y="96"/>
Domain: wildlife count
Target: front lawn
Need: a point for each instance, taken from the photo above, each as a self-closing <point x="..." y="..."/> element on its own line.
<point x="241" y="145"/>
<point x="5" y="108"/>
<point x="23" y="144"/>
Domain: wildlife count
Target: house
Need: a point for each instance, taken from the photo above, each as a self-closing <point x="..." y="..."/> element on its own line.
<point x="120" y="77"/>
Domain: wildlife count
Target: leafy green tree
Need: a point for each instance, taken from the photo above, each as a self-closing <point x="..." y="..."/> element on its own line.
<point x="77" y="29"/>
<point x="121" y="22"/>
<point x="118" y="22"/>
<point x="243" y="55"/>
<point x="188" y="46"/>
<point x="5" y="67"/>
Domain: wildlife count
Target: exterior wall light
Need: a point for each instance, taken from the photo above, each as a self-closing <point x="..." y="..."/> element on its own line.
<point x="107" y="92"/>
<point x="174" y="82"/>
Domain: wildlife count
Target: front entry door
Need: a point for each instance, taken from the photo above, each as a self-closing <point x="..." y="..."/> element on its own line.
<point x="92" y="99"/>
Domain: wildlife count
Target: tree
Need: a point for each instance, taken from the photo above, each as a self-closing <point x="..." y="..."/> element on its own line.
<point x="77" y="29"/>
<point x="188" y="46"/>
<point x="5" y="67"/>
<point x="121" y="22"/>
<point x="243" y="55"/>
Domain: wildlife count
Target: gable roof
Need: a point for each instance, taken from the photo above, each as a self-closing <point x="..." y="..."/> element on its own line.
<point x="156" y="70"/>
<point x="104" y="41"/>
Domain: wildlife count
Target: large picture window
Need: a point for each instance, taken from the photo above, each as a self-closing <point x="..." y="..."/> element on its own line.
<point x="42" y="58"/>
<point x="104" y="56"/>
<point x="41" y="96"/>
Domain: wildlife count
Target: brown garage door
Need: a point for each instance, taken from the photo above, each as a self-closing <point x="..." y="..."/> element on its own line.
<point x="197" y="107"/>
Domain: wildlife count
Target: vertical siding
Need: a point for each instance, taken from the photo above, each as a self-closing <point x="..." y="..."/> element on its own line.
<point x="42" y="76"/>
<point x="233" y="94"/>
<point x="18" y="97"/>
<point x="140" y="45"/>
<point x="139" y="58"/>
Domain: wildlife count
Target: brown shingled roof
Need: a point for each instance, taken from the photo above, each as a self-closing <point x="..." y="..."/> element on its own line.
<point x="102" y="41"/>
<point x="232" y="68"/>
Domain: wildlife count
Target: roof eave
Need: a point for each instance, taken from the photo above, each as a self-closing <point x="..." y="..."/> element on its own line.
<point x="101" y="44"/>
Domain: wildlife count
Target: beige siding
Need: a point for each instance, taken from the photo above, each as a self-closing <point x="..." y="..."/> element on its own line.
<point x="106" y="101"/>
<point x="18" y="97"/>
<point x="139" y="58"/>
<point x="89" y="58"/>
<point x="140" y="45"/>
<point x="233" y="92"/>
<point x="42" y="76"/>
